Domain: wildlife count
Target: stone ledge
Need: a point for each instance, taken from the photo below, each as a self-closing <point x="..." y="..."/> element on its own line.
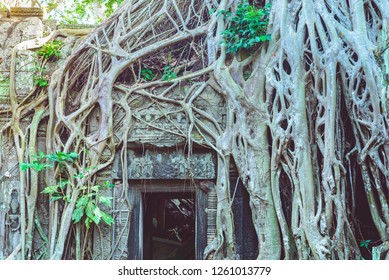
<point x="24" y="12"/>
<point x="75" y="26"/>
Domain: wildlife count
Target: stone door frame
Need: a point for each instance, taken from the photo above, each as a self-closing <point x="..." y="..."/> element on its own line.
<point x="138" y="189"/>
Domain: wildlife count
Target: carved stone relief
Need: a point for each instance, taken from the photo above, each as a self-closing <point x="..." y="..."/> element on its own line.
<point x="167" y="164"/>
<point x="10" y="213"/>
<point x="165" y="124"/>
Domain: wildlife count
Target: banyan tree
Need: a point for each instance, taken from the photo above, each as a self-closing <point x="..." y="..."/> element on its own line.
<point x="305" y="120"/>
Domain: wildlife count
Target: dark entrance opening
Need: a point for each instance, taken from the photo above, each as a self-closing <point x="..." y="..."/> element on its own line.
<point x="169" y="226"/>
<point x="145" y="201"/>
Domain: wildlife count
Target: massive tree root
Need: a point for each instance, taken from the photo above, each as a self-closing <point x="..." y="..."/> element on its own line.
<point x="306" y="124"/>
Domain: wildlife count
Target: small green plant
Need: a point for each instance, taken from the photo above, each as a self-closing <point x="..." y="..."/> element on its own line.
<point x="365" y="243"/>
<point x="58" y="191"/>
<point x="41" y="81"/>
<point x="87" y="204"/>
<point x="50" y="50"/>
<point x="247" y="27"/>
<point x="60" y="157"/>
<point x="147" y="74"/>
<point x="35" y="165"/>
<point x="168" y="73"/>
<point x="211" y="11"/>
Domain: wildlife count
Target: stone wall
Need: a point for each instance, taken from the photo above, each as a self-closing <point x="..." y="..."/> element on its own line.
<point x="12" y="32"/>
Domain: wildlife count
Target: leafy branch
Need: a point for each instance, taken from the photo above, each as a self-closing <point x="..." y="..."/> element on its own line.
<point x="50" y="50"/>
<point x="87" y="204"/>
<point x="247" y="27"/>
<point x="41" y="78"/>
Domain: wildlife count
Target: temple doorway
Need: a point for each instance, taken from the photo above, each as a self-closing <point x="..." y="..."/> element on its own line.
<point x="169" y="226"/>
<point x="169" y="220"/>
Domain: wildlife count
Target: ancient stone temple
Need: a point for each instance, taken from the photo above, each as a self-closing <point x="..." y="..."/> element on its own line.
<point x="169" y="210"/>
<point x="162" y="172"/>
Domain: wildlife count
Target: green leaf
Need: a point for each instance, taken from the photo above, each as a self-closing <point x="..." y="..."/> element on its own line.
<point x="95" y="188"/>
<point x="89" y="210"/>
<point x="82" y="201"/>
<point x="105" y="200"/>
<point x="50" y="190"/>
<point x="79" y="175"/>
<point x="41" y="81"/>
<point x="168" y="74"/>
<point x="24" y="166"/>
<point x="61" y="156"/>
<point x="52" y="157"/>
<point x="108" y="184"/>
<point x="78" y="213"/>
<point x="56" y="196"/>
<point x="67" y="198"/>
<point x="365" y="243"/>
<point x="246" y="28"/>
<point x="91" y="195"/>
<point x="73" y="155"/>
<point x="35" y="165"/>
<point x="97" y="215"/>
<point x="50" y="50"/>
<point x="41" y="167"/>
<point x="39" y="156"/>
<point x="147" y="74"/>
<point x="211" y="11"/>
<point x="107" y="218"/>
<point x="63" y="183"/>
<point x="88" y="221"/>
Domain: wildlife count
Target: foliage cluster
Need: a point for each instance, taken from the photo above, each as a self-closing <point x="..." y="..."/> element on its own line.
<point x="365" y="243"/>
<point x="41" y="81"/>
<point x="87" y="204"/>
<point x="80" y="11"/>
<point x="168" y="73"/>
<point x="246" y="28"/>
<point x="147" y="74"/>
<point x="41" y="78"/>
<point x="50" y="50"/>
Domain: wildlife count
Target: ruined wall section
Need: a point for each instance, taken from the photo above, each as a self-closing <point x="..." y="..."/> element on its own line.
<point x="151" y="126"/>
<point x="12" y="32"/>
